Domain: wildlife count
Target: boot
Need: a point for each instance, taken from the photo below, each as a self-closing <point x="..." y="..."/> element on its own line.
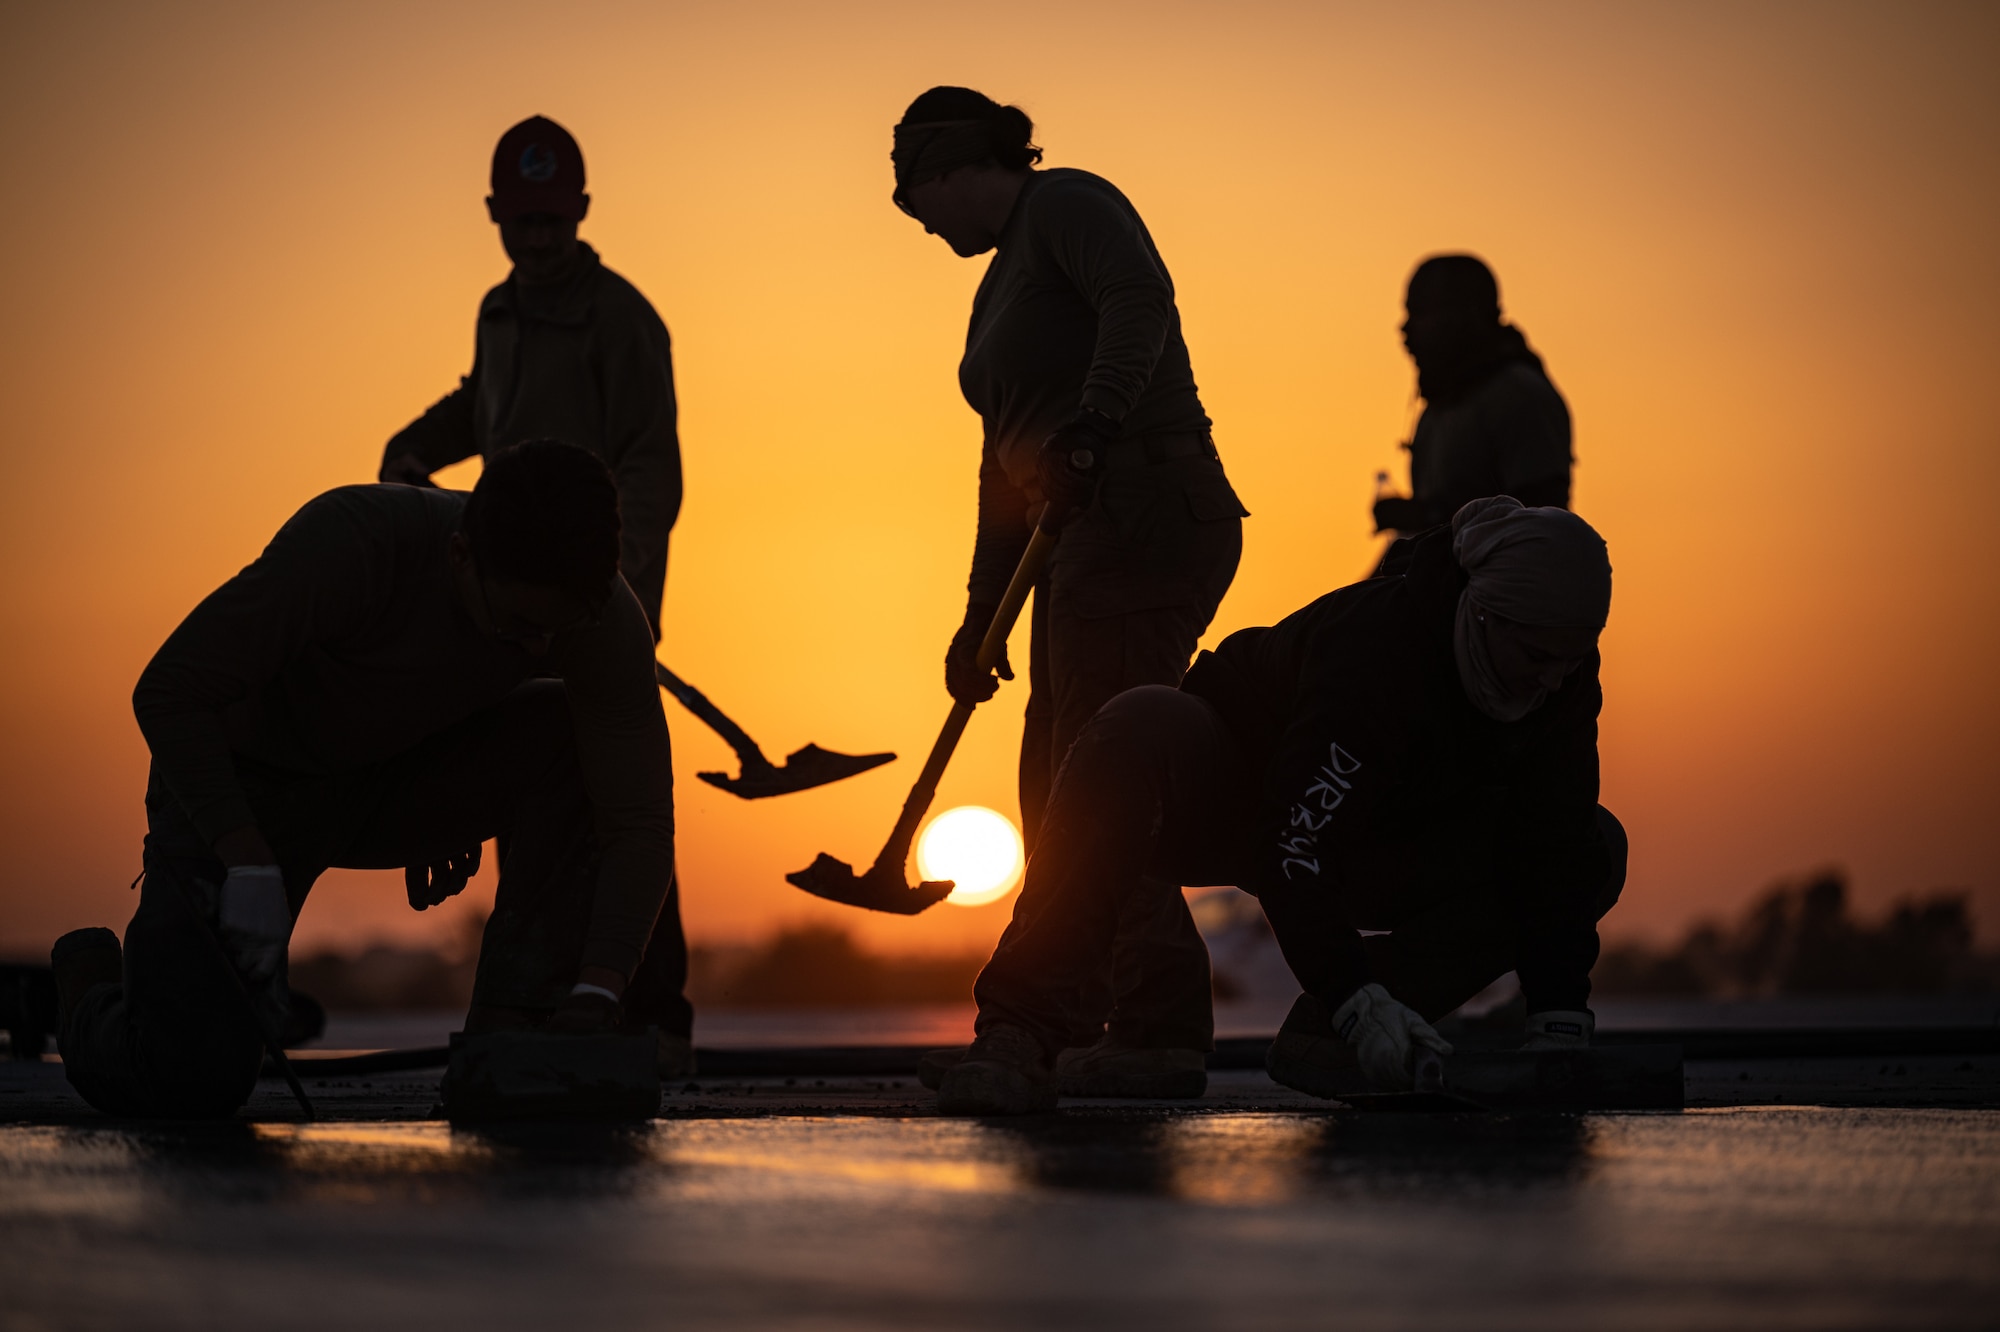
<point x="82" y="961"/>
<point x="932" y="1065"/>
<point x="676" y="1056"/>
<point x="1110" y="1069"/>
<point x="1005" y="1072"/>
<point x="1308" y="1055"/>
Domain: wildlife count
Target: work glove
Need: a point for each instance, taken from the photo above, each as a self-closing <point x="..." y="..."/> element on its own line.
<point x="1073" y="458"/>
<point x="963" y="679"/>
<point x="588" y="1010"/>
<point x="254" y="922"/>
<point x="428" y="885"/>
<point x="1396" y="513"/>
<point x="1560" y="1029"/>
<point x="1387" y="1037"/>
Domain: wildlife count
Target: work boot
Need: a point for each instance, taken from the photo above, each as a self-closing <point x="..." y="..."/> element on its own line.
<point x="1308" y="1055"/>
<point x="932" y="1065"/>
<point x="82" y="961"/>
<point x="1005" y="1072"/>
<point x="676" y="1055"/>
<point x="1110" y="1069"/>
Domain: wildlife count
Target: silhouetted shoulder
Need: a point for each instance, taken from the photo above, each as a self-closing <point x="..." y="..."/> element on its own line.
<point x="371" y="513"/>
<point x="618" y="301"/>
<point x="1066" y="191"/>
<point x="1524" y="388"/>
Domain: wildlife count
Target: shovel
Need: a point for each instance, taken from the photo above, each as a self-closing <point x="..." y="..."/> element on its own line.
<point x="802" y="769"/>
<point x="883" y="887"/>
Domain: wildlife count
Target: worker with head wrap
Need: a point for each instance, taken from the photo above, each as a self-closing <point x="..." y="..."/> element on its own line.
<point x="1076" y="365"/>
<point x="1414" y="756"/>
<point x="1492" y="424"/>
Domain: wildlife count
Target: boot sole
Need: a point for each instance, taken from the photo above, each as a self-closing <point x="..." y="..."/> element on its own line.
<point x="984" y="1087"/>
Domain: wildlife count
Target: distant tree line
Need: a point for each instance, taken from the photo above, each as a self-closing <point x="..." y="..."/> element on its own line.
<point x="1799" y="938"/>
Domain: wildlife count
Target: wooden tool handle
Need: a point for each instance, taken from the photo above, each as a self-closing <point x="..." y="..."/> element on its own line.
<point x="1027" y="573"/>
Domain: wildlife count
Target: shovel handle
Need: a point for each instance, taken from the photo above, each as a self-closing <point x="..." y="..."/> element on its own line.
<point x="1027" y="573"/>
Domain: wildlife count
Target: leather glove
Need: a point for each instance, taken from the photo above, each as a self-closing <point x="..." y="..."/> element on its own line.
<point x="1396" y="513"/>
<point x="1560" y="1029"/>
<point x="1073" y="458"/>
<point x="585" y="1013"/>
<point x="963" y="679"/>
<point x="1387" y="1037"/>
<point x="428" y="885"/>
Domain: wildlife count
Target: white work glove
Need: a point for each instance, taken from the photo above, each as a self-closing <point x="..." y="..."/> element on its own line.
<point x="1386" y="1037"/>
<point x="255" y="922"/>
<point x="1560" y="1029"/>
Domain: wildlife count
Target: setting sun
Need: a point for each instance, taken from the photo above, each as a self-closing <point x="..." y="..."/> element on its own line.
<point x="978" y="849"/>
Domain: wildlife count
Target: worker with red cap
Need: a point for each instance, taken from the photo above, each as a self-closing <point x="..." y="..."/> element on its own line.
<point x="566" y="349"/>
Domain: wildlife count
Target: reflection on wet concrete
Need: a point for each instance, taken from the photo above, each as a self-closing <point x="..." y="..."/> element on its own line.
<point x="1788" y="1217"/>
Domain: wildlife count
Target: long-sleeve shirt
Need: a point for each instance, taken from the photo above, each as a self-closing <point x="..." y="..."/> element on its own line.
<point x="1384" y="791"/>
<point x="1510" y="435"/>
<point x="1076" y="310"/>
<point x="347" y="642"/>
<point x="585" y="360"/>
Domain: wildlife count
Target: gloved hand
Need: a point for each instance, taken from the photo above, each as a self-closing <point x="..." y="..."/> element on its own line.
<point x="428" y="885"/>
<point x="587" y="1011"/>
<point x="255" y="921"/>
<point x="1397" y="513"/>
<point x="1386" y="1036"/>
<point x="1560" y="1029"/>
<point x="1074" y="456"/>
<point x="963" y="679"/>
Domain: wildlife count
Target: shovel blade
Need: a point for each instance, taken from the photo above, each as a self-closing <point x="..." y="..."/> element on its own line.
<point x="802" y="770"/>
<point x="836" y="881"/>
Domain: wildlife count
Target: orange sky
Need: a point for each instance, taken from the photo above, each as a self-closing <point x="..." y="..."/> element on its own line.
<point x="243" y="244"/>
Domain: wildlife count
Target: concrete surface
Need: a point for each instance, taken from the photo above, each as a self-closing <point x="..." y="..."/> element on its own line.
<point x="1806" y="1218"/>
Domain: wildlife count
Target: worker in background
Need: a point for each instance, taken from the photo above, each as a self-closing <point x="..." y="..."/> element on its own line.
<point x="564" y="349"/>
<point x="1414" y="754"/>
<point x="1075" y="353"/>
<point x="567" y="349"/>
<point x="402" y="672"/>
<point x="1492" y="424"/>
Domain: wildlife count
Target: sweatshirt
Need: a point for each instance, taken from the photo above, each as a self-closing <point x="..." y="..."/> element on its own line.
<point x="346" y="642"/>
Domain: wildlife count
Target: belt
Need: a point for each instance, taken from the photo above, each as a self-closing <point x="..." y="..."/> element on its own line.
<point x="1156" y="449"/>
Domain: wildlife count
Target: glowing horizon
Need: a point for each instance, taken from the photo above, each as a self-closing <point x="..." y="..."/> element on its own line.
<point x="1754" y="248"/>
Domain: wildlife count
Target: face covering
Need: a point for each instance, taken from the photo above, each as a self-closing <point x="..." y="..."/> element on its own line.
<point x="1528" y="569"/>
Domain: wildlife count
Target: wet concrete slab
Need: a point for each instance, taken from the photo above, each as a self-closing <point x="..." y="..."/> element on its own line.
<point x="1094" y="1219"/>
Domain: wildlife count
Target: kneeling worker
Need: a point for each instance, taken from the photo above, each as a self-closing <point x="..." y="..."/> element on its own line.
<point x="402" y="673"/>
<point x="1415" y="754"/>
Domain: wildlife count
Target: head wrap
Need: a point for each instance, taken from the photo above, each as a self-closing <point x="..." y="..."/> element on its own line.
<point x="931" y="148"/>
<point x="1531" y="568"/>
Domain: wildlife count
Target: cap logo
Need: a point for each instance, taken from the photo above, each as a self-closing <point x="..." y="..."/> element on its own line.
<point x="538" y="163"/>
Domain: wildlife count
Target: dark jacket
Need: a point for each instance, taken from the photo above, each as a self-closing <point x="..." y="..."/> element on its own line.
<point x="1385" y="792"/>
<point x="585" y="360"/>
<point x="346" y="642"/>
<point x="1077" y="309"/>
<point x="1506" y="434"/>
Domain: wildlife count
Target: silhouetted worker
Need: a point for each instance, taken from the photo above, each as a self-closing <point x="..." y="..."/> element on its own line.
<point x="1493" y="424"/>
<point x="1414" y="753"/>
<point x="565" y="349"/>
<point x="1075" y="347"/>
<point x="401" y="673"/>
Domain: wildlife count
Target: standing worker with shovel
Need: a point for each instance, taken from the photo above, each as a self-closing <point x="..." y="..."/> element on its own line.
<point x="1076" y="365"/>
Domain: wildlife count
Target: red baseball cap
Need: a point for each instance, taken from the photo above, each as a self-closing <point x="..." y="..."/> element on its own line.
<point x="537" y="169"/>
